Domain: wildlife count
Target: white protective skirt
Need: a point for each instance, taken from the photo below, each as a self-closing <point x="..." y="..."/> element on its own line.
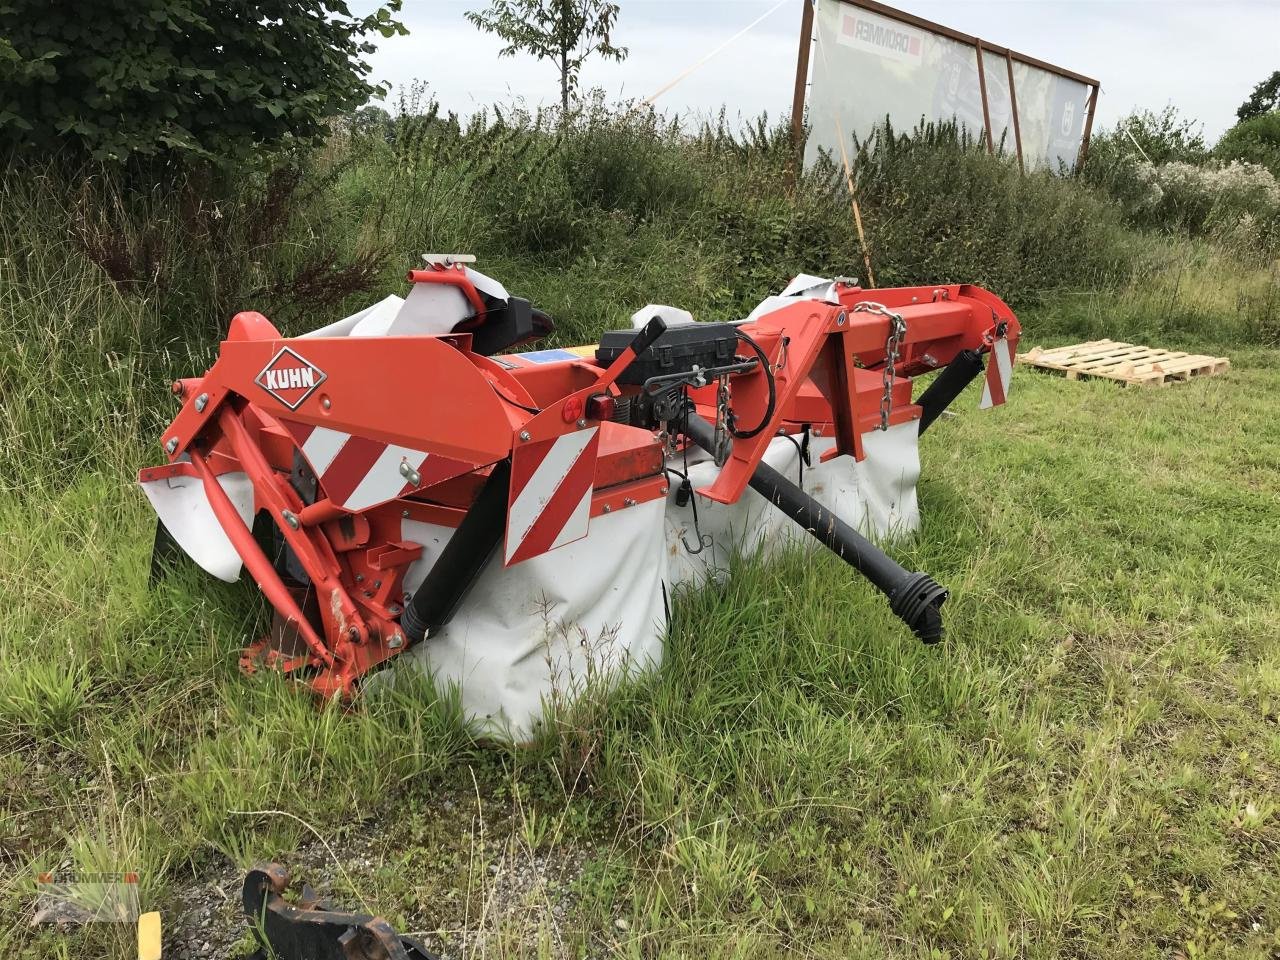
<point x="536" y="632"/>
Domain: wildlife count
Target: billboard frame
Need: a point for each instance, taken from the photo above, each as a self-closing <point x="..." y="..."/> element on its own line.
<point x="979" y="45"/>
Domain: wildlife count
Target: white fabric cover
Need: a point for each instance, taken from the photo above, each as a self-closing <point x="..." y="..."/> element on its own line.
<point x="807" y="285"/>
<point x="802" y="287"/>
<point x="369" y="317"/>
<point x="534" y="631"/>
<point x="185" y="511"/>
<point x="543" y="627"/>
<point x="672" y="316"/>
<point x="435" y="308"/>
<point x="430" y="308"/>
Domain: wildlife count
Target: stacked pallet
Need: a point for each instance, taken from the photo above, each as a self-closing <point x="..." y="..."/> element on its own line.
<point x="1131" y="364"/>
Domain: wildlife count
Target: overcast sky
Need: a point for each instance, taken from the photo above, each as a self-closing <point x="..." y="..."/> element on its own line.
<point x="1204" y="56"/>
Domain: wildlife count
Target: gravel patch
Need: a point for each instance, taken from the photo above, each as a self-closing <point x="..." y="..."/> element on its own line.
<point x="511" y="899"/>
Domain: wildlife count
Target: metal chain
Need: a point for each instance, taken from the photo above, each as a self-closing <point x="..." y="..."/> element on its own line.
<point x="892" y="346"/>
<point x="720" y="446"/>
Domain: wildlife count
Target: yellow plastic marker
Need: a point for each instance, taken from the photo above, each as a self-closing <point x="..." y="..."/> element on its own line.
<point x="149" y="936"/>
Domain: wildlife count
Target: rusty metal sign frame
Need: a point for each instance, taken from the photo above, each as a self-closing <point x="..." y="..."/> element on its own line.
<point x="979" y="45"/>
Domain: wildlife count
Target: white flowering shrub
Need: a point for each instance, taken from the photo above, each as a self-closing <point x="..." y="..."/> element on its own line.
<point x="1217" y="198"/>
<point x="1157" y="167"/>
<point x="1132" y="183"/>
<point x="1197" y="194"/>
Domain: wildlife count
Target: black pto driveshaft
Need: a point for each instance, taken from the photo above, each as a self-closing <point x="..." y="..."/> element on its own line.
<point x="915" y="598"/>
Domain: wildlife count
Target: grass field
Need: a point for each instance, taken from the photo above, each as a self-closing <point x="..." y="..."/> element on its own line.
<point x="1089" y="767"/>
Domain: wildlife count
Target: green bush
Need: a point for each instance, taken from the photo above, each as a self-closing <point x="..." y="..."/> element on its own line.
<point x="115" y="79"/>
<point x="1129" y="180"/>
<point x="1256" y="140"/>
<point x="1159" y="137"/>
<point x="941" y="209"/>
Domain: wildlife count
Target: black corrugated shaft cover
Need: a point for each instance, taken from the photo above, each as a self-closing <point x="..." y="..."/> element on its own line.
<point x="914" y="597"/>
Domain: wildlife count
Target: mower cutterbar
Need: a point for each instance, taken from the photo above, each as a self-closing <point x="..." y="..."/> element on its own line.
<point x="344" y="440"/>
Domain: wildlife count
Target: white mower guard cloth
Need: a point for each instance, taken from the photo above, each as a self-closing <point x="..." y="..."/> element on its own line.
<point x="430" y="308"/>
<point x="538" y="631"/>
<point x="184" y="509"/>
<point x="535" y="632"/>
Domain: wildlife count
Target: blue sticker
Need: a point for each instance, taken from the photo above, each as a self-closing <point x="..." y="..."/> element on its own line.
<point x="548" y="356"/>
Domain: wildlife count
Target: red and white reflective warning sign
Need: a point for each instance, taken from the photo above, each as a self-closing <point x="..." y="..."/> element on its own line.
<point x="999" y="372"/>
<point x="357" y="473"/>
<point x="550" y="500"/>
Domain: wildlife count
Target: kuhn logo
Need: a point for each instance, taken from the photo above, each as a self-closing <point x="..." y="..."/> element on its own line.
<point x="289" y="378"/>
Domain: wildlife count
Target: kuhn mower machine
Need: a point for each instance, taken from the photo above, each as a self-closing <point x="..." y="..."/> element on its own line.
<point x="404" y="457"/>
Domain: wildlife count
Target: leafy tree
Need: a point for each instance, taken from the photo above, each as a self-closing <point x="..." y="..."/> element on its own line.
<point x="112" y="79"/>
<point x="371" y="121"/>
<point x="1264" y="99"/>
<point x="567" y="32"/>
<point x="1256" y="140"/>
<point x="1161" y="137"/>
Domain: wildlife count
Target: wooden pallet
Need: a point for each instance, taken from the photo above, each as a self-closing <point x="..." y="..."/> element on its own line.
<point x="1127" y="363"/>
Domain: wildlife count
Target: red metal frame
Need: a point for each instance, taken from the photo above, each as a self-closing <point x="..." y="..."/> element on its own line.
<point x="453" y="275"/>
<point x="434" y="398"/>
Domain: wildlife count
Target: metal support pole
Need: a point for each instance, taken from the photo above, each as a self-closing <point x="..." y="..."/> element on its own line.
<point x="802" y="77"/>
<point x="1013" y="104"/>
<point x="1088" y="127"/>
<point x="982" y="88"/>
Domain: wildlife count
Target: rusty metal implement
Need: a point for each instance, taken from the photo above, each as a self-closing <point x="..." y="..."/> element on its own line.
<point x="309" y="930"/>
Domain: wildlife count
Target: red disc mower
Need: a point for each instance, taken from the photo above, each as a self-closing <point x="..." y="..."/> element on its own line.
<point x="370" y="474"/>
